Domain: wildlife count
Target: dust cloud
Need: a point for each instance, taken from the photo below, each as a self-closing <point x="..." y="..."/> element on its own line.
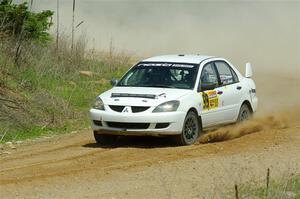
<point x="266" y="33"/>
<point x="280" y="120"/>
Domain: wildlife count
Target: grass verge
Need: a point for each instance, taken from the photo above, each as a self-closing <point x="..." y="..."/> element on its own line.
<point x="47" y="92"/>
<point x="286" y="187"/>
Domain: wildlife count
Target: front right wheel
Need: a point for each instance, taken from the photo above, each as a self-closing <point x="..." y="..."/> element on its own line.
<point x="190" y="131"/>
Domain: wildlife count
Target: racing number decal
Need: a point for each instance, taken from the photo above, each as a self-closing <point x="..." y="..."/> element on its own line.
<point x="210" y="99"/>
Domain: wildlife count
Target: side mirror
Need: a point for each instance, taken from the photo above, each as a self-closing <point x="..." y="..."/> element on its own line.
<point x="207" y="86"/>
<point x="248" y="72"/>
<point x="114" y="81"/>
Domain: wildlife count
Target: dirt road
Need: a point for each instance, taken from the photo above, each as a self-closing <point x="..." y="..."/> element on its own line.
<point x="73" y="166"/>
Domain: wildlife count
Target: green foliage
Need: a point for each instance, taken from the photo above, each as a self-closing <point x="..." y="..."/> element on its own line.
<point x="286" y="187"/>
<point x="17" y="21"/>
<point x="33" y="132"/>
<point x="46" y="93"/>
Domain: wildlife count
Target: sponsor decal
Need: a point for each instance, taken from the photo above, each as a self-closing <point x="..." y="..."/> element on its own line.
<point x="167" y="65"/>
<point x="210" y="99"/>
<point x="183" y="65"/>
<point x="155" y="64"/>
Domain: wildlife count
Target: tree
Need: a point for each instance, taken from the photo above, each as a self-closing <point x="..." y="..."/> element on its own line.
<point x="17" y="21"/>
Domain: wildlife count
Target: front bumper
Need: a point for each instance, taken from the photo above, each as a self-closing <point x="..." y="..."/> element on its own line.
<point x="103" y="118"/>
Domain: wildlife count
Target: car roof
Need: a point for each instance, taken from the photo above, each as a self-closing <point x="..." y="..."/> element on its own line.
<point x="181" y="58"/>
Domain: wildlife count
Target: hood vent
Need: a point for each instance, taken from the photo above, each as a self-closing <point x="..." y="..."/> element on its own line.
<point x="150" y="96"/>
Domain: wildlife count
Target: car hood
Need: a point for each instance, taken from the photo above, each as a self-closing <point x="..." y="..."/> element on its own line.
<point x="141" y="96"/>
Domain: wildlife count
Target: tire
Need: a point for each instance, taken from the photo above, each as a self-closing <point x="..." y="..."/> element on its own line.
<point x="105" y="139"/>
<point x="190" y="131"/>
<point x="244" y="113"/>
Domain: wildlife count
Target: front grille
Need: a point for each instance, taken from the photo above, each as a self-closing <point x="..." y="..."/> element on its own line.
<point x="123" y="125"/>
<point x="116" y="108"/>
<point x="134" y="109"/>
<point x="97" y="122"/>
<point x="161" y="125"/>
<point x="137" y="109"/>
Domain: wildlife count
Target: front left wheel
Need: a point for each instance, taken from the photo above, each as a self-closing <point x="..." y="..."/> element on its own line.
<point x="105" y="139"/>
<point x="190" y="131"/>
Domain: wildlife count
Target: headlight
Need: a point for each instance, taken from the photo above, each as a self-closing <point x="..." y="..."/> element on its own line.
<point x="167" y="107"/>
<point x="98" y="104"/>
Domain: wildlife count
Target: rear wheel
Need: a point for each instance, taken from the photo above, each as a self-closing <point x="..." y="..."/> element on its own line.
<point x="105" y="139"/>
<point x="190" y="131"/>
<point x="244" y="113"/>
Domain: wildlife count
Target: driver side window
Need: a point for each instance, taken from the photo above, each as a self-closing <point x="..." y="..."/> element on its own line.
<point x="208" y="75"/>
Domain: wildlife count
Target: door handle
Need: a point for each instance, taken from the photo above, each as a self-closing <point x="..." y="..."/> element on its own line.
<point x="239" y="87"/>
<point x="219" y="92"/>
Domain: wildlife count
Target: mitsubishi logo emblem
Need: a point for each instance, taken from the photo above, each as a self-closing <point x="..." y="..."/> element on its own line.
<point x="126" y="110"/>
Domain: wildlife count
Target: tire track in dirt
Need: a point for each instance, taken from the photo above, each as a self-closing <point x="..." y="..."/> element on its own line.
<point x="38" y="147"/>
<point x="52" y="161"/>
<point x="123" y="158"/>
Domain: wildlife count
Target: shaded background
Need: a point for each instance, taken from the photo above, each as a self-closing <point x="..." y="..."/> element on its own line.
<point x="266" y="33"/>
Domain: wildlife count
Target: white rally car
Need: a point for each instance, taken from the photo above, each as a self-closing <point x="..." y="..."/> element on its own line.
<point x="176" y="95"/>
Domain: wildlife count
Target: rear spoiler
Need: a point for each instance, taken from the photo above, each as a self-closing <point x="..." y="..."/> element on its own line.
<point x="248" y="72"/>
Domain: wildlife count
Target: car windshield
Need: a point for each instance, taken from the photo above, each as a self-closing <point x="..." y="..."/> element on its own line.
<point x="162" y="75"/>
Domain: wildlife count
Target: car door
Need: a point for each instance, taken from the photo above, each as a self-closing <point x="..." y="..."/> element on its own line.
<point x="229" y="92"/>
<point x="210" y="105"/>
